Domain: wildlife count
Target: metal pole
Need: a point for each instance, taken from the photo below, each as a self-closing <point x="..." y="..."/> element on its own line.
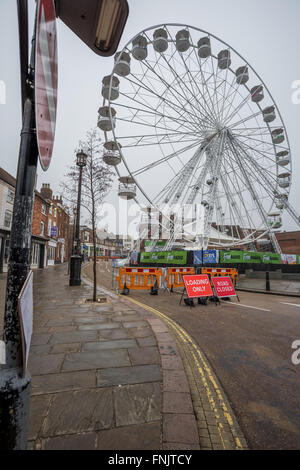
<point x="78" y="243"/>
<point x="15" y="389"/>
<point x="76" y="260"/>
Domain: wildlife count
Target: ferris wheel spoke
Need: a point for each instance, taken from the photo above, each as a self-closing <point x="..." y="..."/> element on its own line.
<point x="246" y="119"/>
<point x="257" y="151"/>
<point x="259" y="169"/>
<point x="131" y="121"/>
<point x="184" y="88"/>
<point x="222" y="98"/>
<point x="250" y="187"/>
<point x="235" y="183"/>
<point x="185" y="175"/>
<point x="192" y="80"/>
<point x="236" y="110"/>
<point x="262" y="142"/>
<point x="183" y="123"/>
<point x="205" y="83"/>
<point x="177" y="108"/>
<point x="161" y="139"/>
<point x="175" y="93"/>
<point x="164" y="159"/>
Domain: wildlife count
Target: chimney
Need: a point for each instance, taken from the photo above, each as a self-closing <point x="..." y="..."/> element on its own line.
<point x="46" y="191"/>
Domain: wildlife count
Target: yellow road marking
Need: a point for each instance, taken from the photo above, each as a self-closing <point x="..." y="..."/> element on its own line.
<point x="187" y="339"/>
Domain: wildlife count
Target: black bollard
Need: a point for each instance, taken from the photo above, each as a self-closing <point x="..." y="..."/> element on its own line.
<point x="268" y="281"/>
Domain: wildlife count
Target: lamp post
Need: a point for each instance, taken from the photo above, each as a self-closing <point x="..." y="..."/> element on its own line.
<point x="76" y="259"/>
<point x="99" y="23"/>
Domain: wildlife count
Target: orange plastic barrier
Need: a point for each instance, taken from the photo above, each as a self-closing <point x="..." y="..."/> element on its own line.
<point x="232" y="272"/>
<point x="174" y="276"/>
<point x="138" y="278"/>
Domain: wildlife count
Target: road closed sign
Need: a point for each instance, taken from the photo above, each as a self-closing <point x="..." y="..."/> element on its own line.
<point x="223" y="286"/>
<point x="197" y="286"/>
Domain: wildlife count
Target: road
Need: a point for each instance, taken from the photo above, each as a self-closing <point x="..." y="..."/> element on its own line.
<point x="248" y="344"/>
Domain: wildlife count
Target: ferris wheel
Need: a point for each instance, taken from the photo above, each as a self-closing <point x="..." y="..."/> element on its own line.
<point x="189" y="123"/>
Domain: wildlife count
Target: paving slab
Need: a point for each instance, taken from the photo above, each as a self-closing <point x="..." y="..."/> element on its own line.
<point x="128" y="375"/>
<point x="79" y="411"/>
<point x="144" y="355"/>
<point x="73" y="337"/>
<point x="116" y="344"/>
<point x="45" y="364"/>
<point x="63" y="382"/>
<point x="136" y="404"/>
<point x="96" y="360"/>
<point x="138" y="437"/>
<point x="87" y="441"/>
<point x="180" y="428"/>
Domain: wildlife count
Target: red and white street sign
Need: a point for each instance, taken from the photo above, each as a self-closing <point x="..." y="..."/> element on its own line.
<point x="45" y="79"/>
<point x="223" y="286"/>
<point x="197" y="285"/>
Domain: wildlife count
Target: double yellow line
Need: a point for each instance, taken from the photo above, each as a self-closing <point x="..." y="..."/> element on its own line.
<point x="202" y="367"/>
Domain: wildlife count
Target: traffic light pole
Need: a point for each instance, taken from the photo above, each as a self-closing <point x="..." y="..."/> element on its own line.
<point x="14" y="388"/>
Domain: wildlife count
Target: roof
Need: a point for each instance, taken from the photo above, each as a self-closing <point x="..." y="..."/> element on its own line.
<point x="9" y="179"/>
<point x="4" y="176"/>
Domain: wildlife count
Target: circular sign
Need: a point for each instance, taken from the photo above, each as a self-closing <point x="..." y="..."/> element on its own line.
<point x="45" y="80"/>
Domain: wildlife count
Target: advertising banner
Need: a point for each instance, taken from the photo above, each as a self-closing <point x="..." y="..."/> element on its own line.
<point x="223" y="286"/>
<point x="251" y="257"/>
<point x="156" y="245"/>
<point x="270" y="258"/>
<point x="146" y="257"/>
<point x="198" y="286"/>
<point x="198" y="257"/>
<point x="288" y="259"/>
<point x="176" y="257"/>
<point x="134" y="256"/>
<point x="231" y="257"/>
<point x="210" y="256"/>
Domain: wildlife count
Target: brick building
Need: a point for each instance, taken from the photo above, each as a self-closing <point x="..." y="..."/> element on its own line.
<point x="51" y="231"/>
<point x="289" y="242"/>
<point x="58" y="227"/>
<point x="39" y="237"/>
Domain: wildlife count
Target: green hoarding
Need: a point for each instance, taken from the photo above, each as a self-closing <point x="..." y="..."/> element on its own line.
<point x="231" y="257"/>
<point x="251" y="257"/>
<point x="146" y="257"/>
<point x="164" y="257"/>
<point x="271" y="258"/>
<point x="176" y="257"/>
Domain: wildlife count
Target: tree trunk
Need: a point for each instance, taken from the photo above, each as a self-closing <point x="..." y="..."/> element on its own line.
<point x="95" y="254"/>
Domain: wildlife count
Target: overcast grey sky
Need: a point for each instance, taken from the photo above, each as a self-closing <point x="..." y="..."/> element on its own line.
<point x="265" y="32"/>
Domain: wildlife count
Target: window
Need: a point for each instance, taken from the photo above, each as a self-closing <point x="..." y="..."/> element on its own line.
<point x="51" y="253"/>
<point x="55" y="210"/>
<point x="43" y="208"/>
<point x="7" y="219"/>
<point x="50" y="209"/>
<point x="42" y="228"/>
<point x="49" y="227"/>
<point x="35" y="254"/>
<point x="10" y="196"/>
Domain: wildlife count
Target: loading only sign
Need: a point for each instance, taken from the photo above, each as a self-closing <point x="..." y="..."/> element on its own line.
<point x="197" y="286"/>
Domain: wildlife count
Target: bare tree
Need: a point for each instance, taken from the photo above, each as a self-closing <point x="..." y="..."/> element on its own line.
<point x="96" y="181"/>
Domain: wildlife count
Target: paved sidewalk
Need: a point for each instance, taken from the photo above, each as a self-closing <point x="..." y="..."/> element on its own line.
<point x="104" y="376"/>
<point x="277" y="286"/>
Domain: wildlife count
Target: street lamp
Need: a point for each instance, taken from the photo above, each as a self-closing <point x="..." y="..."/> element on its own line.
<point x="75" y="265"/>
<point x="99" y="23"/>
